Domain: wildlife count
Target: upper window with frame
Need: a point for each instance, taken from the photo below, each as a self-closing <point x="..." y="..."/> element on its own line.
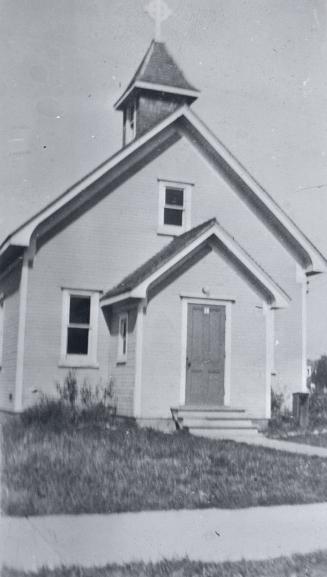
<point x="79" y="328"/>
<point x="174" y="207"/>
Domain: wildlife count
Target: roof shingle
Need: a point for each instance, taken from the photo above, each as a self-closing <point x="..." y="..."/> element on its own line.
<point x="159" y="68"/>
<point x="158" y="260"/>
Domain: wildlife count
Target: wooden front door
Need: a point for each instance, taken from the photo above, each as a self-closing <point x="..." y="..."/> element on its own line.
<point x="205" y="355"/>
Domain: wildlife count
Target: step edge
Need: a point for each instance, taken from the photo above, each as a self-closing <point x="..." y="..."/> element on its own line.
<point x="218" y="418"/>
<point x="223" y="428"/>
<point x="183" y="409"/>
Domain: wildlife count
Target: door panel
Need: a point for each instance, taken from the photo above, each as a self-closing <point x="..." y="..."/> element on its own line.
<point x="205" y="360"/>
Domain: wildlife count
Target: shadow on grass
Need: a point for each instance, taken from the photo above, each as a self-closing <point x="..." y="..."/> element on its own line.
<point x="314" y="565"/>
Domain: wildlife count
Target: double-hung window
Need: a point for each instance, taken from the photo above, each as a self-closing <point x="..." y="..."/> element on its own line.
<point x="79" y="328"/>
<point x="174" y="207"/>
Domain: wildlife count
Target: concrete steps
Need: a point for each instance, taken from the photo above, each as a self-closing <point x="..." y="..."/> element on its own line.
<point x="219" y="422"/>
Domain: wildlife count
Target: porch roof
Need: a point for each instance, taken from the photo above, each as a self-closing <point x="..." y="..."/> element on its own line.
<point x="135" y="285"/>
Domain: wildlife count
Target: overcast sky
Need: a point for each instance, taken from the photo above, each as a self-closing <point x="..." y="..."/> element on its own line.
<point x="261" y="68"/>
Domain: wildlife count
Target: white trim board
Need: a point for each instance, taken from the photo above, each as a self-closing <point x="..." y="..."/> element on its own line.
<point x="270" y="355"/>
<point x="214" y="297"/>
<point x="23" y="289"/>
<point x="280" y="298"/>
<point x="22" y="235"/>
<point x="301" y="280"/>
<point x="155" y="88"/>
<point x="138" y="361"/>
<point x="274" y="217"/>
<point x="184" y="122"/>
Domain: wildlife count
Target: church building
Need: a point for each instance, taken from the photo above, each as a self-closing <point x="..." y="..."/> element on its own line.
<point x="168" y="270"/>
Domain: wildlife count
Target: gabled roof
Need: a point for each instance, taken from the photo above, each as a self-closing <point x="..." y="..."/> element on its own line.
<point x="158" y="71"/>
<point x="159" y="259"/>
<point x="183" y="122"/>
<point x="136" y="284"/>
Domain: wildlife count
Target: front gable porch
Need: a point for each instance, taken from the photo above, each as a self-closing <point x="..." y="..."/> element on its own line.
<point x="197" y="316"/>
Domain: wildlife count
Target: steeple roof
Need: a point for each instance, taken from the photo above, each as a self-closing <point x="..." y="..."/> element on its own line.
<point x="158" y="67"/>
<point x="159" y="71"/>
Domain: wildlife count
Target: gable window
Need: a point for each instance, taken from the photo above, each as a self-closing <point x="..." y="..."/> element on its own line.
<point x="79" y="328"/>
<point x="174" y="207"/>
<point x="2" y="306"/>
<point x="122" y="338"/>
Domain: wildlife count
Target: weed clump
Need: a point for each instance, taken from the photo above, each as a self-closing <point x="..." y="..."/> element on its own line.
<point x="73" y="405"/>
<point x="282" y="421"/>
<point x="318" y="409"/>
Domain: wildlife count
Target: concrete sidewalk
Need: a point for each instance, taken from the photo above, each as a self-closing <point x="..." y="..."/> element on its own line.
<point x="208" y="535"/>
<point x="260" y="440"/>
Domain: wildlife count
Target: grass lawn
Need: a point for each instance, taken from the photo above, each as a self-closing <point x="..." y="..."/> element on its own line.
<point x="98" y="470"/>
<point x="314" y="565"/>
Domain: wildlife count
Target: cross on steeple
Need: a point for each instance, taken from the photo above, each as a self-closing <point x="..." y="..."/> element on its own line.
<point x="159" y="12"/>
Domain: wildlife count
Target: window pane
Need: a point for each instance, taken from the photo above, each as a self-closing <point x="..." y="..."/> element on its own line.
<point x="124" y="346"/>
<point x="79" y="311"/>
<point x="175" y="196"/>
<point x="123" y="333"/>
<point x="77" y="342"/>
<point x="173" y="216"/>
<point x="123" y="327"/>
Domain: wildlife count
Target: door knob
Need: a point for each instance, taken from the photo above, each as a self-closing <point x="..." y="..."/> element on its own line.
<point x="188" y="362"/>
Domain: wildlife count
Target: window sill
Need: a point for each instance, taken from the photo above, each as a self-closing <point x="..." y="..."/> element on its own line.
<point x="77" y="364"/>
<point x="171" y="230"/>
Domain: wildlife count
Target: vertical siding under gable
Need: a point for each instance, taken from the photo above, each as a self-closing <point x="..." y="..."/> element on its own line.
<point x="9" y="286"/>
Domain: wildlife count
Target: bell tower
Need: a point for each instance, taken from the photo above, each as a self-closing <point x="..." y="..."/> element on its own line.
<point x="158" y="86"/>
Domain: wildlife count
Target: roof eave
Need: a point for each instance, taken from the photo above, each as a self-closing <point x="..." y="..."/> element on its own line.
<point x="165" y="88"/>
<point x="135" y="294"/>
<point x="318" y="265"/>
<point x="23" y="234"/>
<point x="313" y="262"/>
<point x="8" y="253"/>
<point x="278" y="299"/>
